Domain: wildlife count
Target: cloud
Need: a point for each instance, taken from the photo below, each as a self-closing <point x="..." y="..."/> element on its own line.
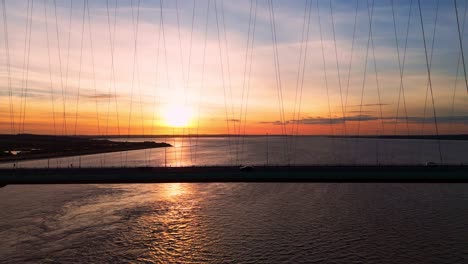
<point x="428" y="120"/>
<point x="365" y="118"/>
<point x="357" y="111"/>
<point x="367" y="105"/>
<point x="100" y="96"/>
<point x="273" y="123"/>
<point x="333" y="120"/>
<point x="324" y="120"/>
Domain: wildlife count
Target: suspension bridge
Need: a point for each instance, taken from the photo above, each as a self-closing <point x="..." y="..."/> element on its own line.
<point x="192" y="91"/>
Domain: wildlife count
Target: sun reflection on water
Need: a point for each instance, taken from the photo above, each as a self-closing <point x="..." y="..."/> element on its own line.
<point x="173" y="190"/>
<point x="173" y="228"/>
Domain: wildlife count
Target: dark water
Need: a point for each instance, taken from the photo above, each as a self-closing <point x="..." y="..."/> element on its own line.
<point x="273" y="150"/>
<point x="235" y="223"/>
<point x="243" y="223"/>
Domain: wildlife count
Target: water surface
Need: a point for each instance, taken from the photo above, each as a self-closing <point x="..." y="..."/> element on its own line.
<point x="235" y="223"/>
<point x="242" y="222"/>
<point x="273" y="150"/>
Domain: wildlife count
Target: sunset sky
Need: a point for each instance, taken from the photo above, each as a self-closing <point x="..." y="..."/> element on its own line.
<point x="88" y="77"/>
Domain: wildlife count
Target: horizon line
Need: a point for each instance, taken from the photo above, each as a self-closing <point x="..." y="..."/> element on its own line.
<point x="237" y="135"/>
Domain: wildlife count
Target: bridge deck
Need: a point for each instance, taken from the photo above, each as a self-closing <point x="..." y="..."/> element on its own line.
<point x="234" y="174"/>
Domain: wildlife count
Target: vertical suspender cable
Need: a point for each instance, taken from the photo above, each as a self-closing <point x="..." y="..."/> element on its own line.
<point x="93" y="69"/>
<point x="238" y="147"/>
<point x="461" y="44"/>
<point x="297" y="118"/>
<point x="430" y="65"/>
<point x="50" y="73"/>
<point x="50" y="67"/>
<point x="338" y="68"/>
<point x="79" y="70"/>
<point x="377" y="79"/>
<point x="299" y="64"/>
<point x="79" y="76"/>
<point x="382" y="131"/>
<point x="187" y="82"/>
<point x="135" y="40"/>
<point x="401" y="67"/>
<point x="165" y="56"/>
<point x="140" y="101"/>
<point x="278" y="79"/>
<point x="228" y="68"/>
<point x="365" y="66"/>
<point x="112" y="83"/>
<point x="184" y="81"/>
<point x="458" y="70"/>
<point x="7" y="51"/>
<point x="273" y="22"/>
<point x="326" y="80"/>
<point x="70" y="16"/>
<point x="64" y="123"/>
<point x="427" y="82"/>
<point x="430" y="82"/>
<point x="25" y="51"/>
<point x="99" y="132"/>
<point x="156" y="102"/>
<point x="351" y="56"/>
<point x="223" y="82"/>
<point x="350" y="64"/>
<point x="248" y="79"/>
<point x="26" y="79"/>
<point x="202" y="78"/>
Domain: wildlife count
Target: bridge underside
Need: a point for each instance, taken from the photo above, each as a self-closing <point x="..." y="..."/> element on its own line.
<point x="235" y="174"/>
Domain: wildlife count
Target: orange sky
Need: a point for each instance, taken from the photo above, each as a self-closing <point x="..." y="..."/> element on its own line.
<point x="166" y="78"/>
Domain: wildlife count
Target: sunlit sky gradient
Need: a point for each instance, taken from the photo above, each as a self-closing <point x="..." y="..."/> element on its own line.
<point x="152" y="87"/>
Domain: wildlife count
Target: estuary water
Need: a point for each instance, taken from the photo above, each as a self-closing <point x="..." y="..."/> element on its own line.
<point x="235" y="223"/>
<point x="273" y="150"/>
<point x="243" y="222"/>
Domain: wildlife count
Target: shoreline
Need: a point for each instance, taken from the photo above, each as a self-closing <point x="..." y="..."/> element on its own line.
<point x="102" y="137"/>
<point x="4" y="160"/>
<point x="14" y="148"/>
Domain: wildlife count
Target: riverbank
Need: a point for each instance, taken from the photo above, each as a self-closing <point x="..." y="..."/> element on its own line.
<point x="29" y="147"/>
<point x="424" y="137"/>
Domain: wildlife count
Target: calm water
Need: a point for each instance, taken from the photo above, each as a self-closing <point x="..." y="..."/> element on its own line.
<point x="243" y="222"/>
<point x="235" y="223"/>
<point x="272" y="150"/>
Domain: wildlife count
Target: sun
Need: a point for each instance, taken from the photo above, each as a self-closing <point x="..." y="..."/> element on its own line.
<point x="176" y="115"/>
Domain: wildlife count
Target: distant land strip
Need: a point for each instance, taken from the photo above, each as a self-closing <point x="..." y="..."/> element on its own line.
<point x="426" y="137"/>
<point x="30" y="147"/>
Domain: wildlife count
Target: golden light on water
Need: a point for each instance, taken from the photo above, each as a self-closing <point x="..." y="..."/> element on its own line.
<point x="174" y="189"/>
